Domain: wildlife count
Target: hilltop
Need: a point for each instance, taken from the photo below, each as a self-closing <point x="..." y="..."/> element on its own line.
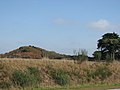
<point x="32" y="52"/>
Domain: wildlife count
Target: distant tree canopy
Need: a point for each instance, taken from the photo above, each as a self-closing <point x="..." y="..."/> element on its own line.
<point x="109" y="46"/>
<point x="97" y="55"/>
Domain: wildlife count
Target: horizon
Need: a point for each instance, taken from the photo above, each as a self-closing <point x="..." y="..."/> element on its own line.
<point x="61" y="26"/>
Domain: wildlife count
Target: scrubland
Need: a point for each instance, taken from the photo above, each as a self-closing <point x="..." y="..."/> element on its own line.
<point x="24" y="73"/>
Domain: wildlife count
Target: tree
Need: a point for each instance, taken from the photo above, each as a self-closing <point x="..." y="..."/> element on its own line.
<point x="109" y="44"/>
<point x="117" y="54"/>
<point x="97" y="55"/>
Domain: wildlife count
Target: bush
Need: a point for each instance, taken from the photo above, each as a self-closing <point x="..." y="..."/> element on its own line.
<point x="29" y="78"/>
<point x="102" y="73"/>
<point x="84" y="55"/>
<point x="34" y="74"/>
<point x="20" y="79"/>
<point x="97" y="55"/>
<point x="60" y="77"/>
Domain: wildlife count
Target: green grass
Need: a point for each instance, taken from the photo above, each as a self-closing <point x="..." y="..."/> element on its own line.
<point x="82" y="87"/>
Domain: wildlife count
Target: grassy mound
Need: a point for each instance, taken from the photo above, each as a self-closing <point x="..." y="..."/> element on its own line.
<point x="36" y="73"/>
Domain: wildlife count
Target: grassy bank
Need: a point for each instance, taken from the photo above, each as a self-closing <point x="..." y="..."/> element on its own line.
<point x="25" y="73"/>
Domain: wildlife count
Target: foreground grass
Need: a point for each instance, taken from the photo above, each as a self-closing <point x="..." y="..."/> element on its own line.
<point x="80" y="87"/>
<point x="49" y="74"/>
<point x="83" y="87"/>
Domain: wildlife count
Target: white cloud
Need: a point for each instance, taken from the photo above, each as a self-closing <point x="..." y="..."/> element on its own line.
<point x="62" y="21"/>
<point x="100" y="24"/>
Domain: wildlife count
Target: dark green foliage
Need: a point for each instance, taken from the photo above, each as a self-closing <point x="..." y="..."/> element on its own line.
<point x="110" y="44"/>
<point x="60" y="76"/>
<point x="107" y="57"/>
<point x="29" y="78"/>
<point x="97" y="55"/>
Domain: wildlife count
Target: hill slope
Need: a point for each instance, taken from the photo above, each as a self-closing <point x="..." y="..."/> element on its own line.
<point x="32" y="52"/>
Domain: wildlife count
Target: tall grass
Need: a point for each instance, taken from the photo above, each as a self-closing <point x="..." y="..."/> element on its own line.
<point x="47" y="72"/>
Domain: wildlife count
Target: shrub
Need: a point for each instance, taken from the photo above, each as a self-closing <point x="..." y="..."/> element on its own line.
<point x="80" y="55"/>
<point x="97" y="55"/>
<point x="60" y="77"/>
<point x="29" y="78"/>
<point x="84" y="55"/>
<point x="102" y="73"/>
<point x="20" y="79"/>
<point x="34" y="74"/>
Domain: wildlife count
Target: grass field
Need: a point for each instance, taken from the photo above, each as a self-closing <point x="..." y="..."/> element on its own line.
<point x="85" y="76"/>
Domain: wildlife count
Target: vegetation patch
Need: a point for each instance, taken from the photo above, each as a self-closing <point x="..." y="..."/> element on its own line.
<point x="29" y="78"/>
<point x="101" y="72"/>
<point x="4" y="77"/>
<point x="38" y="73"/>
<point x="60" y="77"/>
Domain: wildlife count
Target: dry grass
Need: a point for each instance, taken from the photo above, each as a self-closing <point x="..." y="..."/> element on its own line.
<point x="77" y="72"/>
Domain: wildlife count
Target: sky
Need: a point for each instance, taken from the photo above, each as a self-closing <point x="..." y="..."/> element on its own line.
<point x="57" y="25"/>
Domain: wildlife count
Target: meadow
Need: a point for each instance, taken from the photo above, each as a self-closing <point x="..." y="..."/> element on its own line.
<point x="58" y="74"/>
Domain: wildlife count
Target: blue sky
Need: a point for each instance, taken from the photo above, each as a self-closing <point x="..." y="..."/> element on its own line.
<point x="57" y="25"/>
